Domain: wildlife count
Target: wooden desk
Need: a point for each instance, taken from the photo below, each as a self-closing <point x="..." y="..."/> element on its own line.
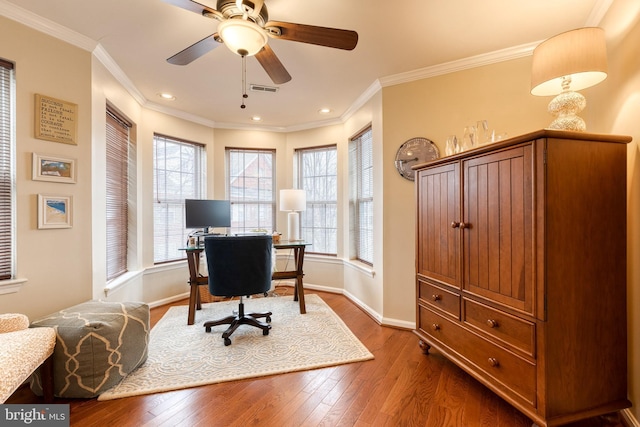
<point x="196" y="279"/>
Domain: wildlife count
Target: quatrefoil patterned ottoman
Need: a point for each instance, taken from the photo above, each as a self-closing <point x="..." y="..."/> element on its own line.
<point x="97" y="345"/>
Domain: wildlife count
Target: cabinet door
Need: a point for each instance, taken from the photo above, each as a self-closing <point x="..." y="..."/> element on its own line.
<point x="438" y="204"/>
<point x="498" y="227"/>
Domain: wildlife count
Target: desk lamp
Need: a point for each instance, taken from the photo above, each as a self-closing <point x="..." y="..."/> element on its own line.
<point x="565" y="63"/>
<point x="293" y="201"/>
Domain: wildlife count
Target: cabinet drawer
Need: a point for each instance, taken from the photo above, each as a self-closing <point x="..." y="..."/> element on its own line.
<point x="440" y="298"/>
<point x="506" y="371"/>
<point x="513" y="331"/>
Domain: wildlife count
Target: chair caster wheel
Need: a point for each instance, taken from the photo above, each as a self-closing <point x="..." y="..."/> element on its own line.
<point x="265" y="332"/>
<point x="207" y="329"/>
<point x="268" y="319"/>
<point x="227" y="341"/>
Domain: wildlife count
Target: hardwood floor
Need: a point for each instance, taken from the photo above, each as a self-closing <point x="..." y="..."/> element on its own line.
<point x="400" y="387"/>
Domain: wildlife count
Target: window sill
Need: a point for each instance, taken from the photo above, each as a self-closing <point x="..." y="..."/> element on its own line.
<point x="121" y="281"/>
<point x="360" y="266"/>
<point x="11" y="286"/>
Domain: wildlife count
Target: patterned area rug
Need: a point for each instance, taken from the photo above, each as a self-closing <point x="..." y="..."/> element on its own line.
<point x="182" y="356"/>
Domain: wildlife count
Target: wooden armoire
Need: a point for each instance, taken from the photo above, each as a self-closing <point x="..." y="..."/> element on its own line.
<point x="521" y="270"/>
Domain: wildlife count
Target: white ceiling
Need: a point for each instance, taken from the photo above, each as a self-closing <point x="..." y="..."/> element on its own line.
<point x="398" y="41"/>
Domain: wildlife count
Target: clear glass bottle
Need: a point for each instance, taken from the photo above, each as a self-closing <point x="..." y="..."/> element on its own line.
<point x="451" y="146"/>
<point x="469" y="138"/>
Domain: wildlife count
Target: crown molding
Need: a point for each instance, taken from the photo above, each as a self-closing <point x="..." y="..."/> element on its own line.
<point x="179" y="114"/>
<point x="44" y="25"/>
<point x="105" y="59"/>
<point x="461" y="64"/>
<point x="362" y="99"/>
<point x="598" y="12"/>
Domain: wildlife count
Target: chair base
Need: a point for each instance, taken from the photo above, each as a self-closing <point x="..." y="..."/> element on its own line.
<point x="234" y="321"/>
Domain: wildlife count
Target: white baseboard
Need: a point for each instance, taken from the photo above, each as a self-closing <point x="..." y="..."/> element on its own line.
<point x="385" y="321"/>
<point x="169" y="300"/>
<point x="629" y="419"/>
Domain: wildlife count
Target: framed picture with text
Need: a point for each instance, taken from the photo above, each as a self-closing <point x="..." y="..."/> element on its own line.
<point x="56" y="120"/>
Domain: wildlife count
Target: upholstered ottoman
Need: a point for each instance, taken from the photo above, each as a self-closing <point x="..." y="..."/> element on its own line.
<point x="97" y="345"/>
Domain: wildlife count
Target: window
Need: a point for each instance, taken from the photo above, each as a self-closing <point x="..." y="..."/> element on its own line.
<point x="178" y="173"/>
<point x="318" y="176"/>
<point x="7" y="169"/>
<point x="361" y="196"/>
<point x="120" y="163"/>
<point x="250" y="186"/>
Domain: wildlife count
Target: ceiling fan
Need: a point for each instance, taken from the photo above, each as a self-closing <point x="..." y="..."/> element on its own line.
<point x="245" y="27"/>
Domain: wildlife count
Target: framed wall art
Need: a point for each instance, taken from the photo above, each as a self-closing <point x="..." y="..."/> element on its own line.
<point x="55" y="211"/>
<point x="53" y="168"/>
<point x="56" y="120"/>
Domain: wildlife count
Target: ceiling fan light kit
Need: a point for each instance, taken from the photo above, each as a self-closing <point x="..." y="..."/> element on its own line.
<point x="244" y="38"/>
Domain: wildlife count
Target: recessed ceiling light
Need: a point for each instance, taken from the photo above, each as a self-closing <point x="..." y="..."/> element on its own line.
<point x="256" y="118"/>
<point x="166" y="96"/>
<point x="324" y="110"/>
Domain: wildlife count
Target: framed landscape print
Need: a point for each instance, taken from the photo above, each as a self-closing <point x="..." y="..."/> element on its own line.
<point x="54" y="211"/>
<point x="53" y="168"/>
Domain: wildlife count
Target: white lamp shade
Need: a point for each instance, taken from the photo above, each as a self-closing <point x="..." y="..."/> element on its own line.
<point x="293" y="200"/>
<point x="242" y="36"/>
<point x="580" y="54"/>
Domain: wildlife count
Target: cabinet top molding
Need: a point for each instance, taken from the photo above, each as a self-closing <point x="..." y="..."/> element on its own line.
<point x="542" y="133"/>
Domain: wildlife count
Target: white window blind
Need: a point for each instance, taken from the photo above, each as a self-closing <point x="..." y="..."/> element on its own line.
<point x="251" y="190"/>
<point x="179" y="173"/>
<point x="117" y="190"/>
<point x="318" y="176"/>
<point x="361" y="196"/>
<point x="7" y="171"/>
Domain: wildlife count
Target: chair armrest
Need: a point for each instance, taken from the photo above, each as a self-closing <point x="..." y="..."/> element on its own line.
<point x="11" y="322"/>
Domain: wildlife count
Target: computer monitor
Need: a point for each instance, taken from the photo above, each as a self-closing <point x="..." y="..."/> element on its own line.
<point x="207" y="213"/>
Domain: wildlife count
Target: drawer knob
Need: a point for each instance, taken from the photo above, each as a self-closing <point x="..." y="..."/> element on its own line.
<point x="455" y="224"/>
<point x="463" y="225"/>
<point x="492" y="323"/>
<point x="435" y="327"/>
<point x="436" y="297"/>
<point x="494" y="362"/>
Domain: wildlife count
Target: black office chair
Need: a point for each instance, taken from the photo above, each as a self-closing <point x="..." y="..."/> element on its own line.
<point x="239" y="266"/>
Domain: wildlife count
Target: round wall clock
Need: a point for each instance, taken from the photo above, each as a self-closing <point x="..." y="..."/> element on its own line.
<point x="412" y="152"/>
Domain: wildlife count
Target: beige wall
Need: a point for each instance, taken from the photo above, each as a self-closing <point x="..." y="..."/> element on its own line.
<point x="56" y="263"/>
<point x="63" y="267"/>
<point x="614" y="107"/>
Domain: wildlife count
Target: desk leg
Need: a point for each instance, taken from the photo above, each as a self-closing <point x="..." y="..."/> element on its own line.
<point x="299" y="289"/>
<point x="193" y="260"/>
<point x="194" y="301"/>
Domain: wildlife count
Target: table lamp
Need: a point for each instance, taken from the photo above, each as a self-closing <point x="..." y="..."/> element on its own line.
<point x="293" y="201"/>
<point x="565" y="63"/>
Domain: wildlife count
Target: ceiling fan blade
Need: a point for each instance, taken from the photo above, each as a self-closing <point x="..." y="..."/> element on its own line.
<point x="194" y="51"/>
<point x="322" y="36"/>
<point x="272" y="65"/>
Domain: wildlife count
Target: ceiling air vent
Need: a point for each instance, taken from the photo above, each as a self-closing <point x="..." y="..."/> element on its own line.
<point x="260" y="88"/>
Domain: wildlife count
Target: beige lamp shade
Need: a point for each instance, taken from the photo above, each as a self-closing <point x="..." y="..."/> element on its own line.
<point x="579" y="54"/>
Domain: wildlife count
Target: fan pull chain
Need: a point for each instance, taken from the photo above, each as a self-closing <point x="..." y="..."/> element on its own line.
<point x="244" y="78"/>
